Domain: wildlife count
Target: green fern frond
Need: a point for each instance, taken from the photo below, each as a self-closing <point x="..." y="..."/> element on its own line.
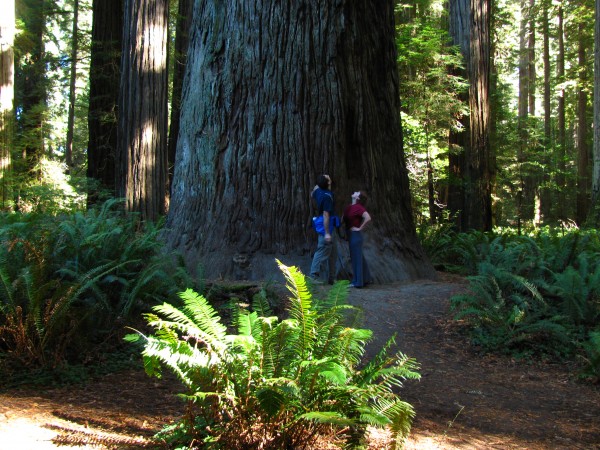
<point x="352" y="343"/>
<point x="247" y="324"/>
<point x="193" y="366"/>
<point x="271" y="400"/>
<point x="300" y="309"/>
<point x="7" y="290"/>
<point x="326" y="368"/>
<point x="369" y="374"/>
<point x="336" y="296"/>
<point x="260" y="304"/>
<point x="282" y="345"/>
<point x="327" y="417"/>
<point x="203" y="314"/>
<point x="400" y="414"/>
<point x="183" y="321"/>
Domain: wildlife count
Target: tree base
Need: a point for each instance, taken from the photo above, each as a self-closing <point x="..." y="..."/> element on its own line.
<point x="386" y="265"/>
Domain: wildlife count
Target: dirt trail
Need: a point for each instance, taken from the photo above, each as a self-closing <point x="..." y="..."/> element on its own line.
<point x="467" y="400"/>
<point x="463" y="401"/>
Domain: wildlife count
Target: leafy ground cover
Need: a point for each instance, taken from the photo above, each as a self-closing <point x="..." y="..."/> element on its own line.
<point x="464" y="400"/>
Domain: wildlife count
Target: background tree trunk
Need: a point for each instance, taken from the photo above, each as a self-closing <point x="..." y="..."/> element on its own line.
<point x="72" y="84"/>
<point x="7" y="95"/>
<point x="531" y="76"/>
<point x="561" y="119"/>
<point x="276" y="93"/>
<point x="105" y="74"/>
<point x="143" y="109"/>
<point x="184" y="20"/>
<point x="582" y="145"/>
<point x="479" y="191"/>
<point x="595" y="209"/>
<point x="458" y="141"/>
<point x="523" y="111"/>
<point x="545" y="193"/>
<point x="33" y="89"/>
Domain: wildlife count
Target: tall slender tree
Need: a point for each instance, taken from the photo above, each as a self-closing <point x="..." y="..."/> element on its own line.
<point x="143" y="108"/>
<point x="479" y="191"/>
<point x="72" y="86"/>
<point x="182" y="29"/>
<point x="548" y="143"/>
<point x="561" y="116"/>
<point x="276" y="93"/>
<point x="459" y="24"/>
<point x="31" y="84"/>
<point x="523" y="211"/>
<point x="470" y="194"/>
<point x="595" y="206"/>
<point x="7" y="93"/>
<point x="105" y="75"/>
<point x="583" y="168"/>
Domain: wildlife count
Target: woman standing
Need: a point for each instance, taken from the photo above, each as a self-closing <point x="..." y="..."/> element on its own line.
<point x="356" y="218"/>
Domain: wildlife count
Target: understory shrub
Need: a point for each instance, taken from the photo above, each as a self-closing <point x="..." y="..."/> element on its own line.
<point x="276" y="383"/>
<point x="69" y="283"/>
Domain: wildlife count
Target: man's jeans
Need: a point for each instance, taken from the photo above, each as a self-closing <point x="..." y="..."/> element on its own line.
<point x="324" y="258"/>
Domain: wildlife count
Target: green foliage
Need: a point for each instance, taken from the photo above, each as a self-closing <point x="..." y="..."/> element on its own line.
<point x="276" y="383"/>
<point x="69" y="283"/>
<point x="431" y="92"/>
<point x="592" y="357"/>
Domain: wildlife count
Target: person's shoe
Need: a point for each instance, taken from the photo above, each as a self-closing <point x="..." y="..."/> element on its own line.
<point x="355" y="286"/>
<point x="314" y="280"/>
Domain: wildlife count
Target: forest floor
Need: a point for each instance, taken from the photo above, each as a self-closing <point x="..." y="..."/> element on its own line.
<point x="464" y="400"/>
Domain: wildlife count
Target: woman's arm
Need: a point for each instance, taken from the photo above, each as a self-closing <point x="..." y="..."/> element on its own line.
<point x="366" y="219"/>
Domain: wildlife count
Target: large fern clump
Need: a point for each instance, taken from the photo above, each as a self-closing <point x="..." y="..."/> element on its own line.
<point x="69" y="283"/>
<point x="277" y="383"/>
<point x="537" y="294"/>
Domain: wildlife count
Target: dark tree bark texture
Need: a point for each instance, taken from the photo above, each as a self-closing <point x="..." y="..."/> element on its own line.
<point x="105" y="74"/>
<point x="143" y="111"/>
<point x="276" y="93"/>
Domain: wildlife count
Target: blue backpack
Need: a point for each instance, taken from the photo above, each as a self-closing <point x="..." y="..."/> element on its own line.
<point x="334" y="222"/>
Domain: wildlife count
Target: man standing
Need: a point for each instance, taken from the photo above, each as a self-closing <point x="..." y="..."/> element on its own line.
<point x="325" y="253"/>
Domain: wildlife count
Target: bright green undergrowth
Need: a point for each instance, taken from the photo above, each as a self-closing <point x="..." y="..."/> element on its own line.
<point x="276" y="383"/>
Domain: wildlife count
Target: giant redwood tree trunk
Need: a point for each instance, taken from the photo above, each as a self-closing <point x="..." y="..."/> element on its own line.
<point x="274" y="94"/>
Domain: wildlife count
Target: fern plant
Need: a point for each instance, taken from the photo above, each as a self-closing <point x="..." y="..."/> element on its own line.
<point x="277" y="383"/>
<point x="592" y="356"/>
<point x="508" y="313"/>
<point x="68" y="283"/>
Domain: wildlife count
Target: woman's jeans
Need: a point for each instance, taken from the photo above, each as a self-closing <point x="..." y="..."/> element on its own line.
<point x="360" y="269"/>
